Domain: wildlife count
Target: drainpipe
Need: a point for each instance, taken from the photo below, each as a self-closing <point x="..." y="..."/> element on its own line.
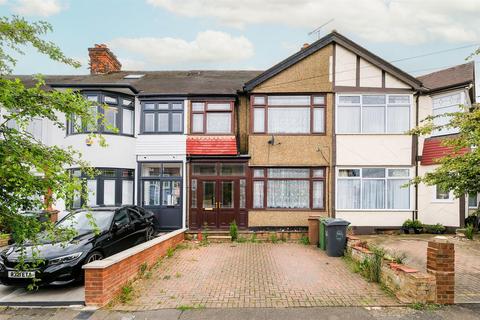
<point x="417" y="96"/>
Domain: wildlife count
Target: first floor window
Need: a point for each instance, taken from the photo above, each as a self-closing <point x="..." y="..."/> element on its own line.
<point x="212" y="117"/>
<point x="373" y="113"/>
<point x="110" y="187"/>
<point x="373" y="188"/>
<point x="162" y="117"/>
<point x="288" y="188"/>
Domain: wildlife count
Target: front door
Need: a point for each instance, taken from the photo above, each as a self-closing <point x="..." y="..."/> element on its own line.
<point x="217" y="201"/>
<point x="161" y="193"/>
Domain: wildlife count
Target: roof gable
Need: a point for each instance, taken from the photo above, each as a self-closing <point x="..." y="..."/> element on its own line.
<point x="334" y="37"/>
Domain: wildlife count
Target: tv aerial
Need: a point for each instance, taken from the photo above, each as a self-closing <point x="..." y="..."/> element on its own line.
<point x="318" y="30"/>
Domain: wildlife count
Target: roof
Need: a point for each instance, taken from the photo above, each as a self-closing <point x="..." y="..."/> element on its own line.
<point x="333" y="37"/>
<point x="462" y="74"/>
<point x="209" y="145"/>
<point x="433" y="150"/>
<point x="196" y="82"/>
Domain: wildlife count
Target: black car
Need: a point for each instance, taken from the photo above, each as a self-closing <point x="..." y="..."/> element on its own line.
<point x="115" y="229"/>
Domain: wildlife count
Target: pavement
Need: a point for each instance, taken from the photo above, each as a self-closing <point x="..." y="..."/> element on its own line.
<point x="60" y="295"/>
<point x="460" y="312"/>
<point x="252" y="275"/>
<point x="467" y="260"/>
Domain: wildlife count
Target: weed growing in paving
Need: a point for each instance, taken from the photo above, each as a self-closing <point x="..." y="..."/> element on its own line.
<point x="185" y="307"/>
<point x="170" y="252"/>
<point x="469" y="231"/>
<point x="233" y="230"/>
<point x="178" y="275"/>
<point x="273" y="238"/>
<point x="167" y="277"/>
<point x="126" y="293"/>
<point x="254" y="239"/>
<point x="304" y="240"/>
<point x="241" y="240"/>
<point x="143" y="269"/>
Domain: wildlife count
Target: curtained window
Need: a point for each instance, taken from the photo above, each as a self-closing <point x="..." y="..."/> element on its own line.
<point x="289" y="188"/>
<point x="212" y="117"/>
<point x="298" y="114"/>
<point x="373" y="189"/>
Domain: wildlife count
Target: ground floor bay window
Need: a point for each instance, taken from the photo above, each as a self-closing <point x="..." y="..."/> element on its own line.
<point x="111" y="187"/>
<point x="373" y="189"/>
<point x="289" y="188"/>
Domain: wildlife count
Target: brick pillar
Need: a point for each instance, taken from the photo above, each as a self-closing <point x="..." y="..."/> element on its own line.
<point x="441" y="264"/>
<point x="313" y="225"/>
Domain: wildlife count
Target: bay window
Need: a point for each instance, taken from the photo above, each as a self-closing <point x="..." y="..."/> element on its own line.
<point x="116" y="110"/>
<point x="289" y="188"/>
<point x="162" y="117"/>
<point x="110" y="187"/>
<point x="278" y="114"/>
<point x="212" y="117"/>
<point x="373" y="113"/>
<point x="373" y="188"/>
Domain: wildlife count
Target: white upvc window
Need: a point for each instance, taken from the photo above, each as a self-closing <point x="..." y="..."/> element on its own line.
<point x="373" y="113"/>
<point x="442" y="195"/>
<point x="373" y="189"/>
<point x="443" y="104"/>
<point x="473" y="200"/>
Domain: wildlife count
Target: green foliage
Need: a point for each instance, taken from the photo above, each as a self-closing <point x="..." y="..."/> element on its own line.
<point x="143" y="269"/>
<point x="241" y="240"/>
<point x="204" y="241"/>
<point x="233" y="230"/>
<point x="416" y="224"/>
<point x="469" y="231"/>
<point x="371" y="267"/>
<point x="304" y="240"/>
<point x="457" y="171"/>
<point x="186" y="307"/>
<point x="425" y="306"/>
<point x="253" y="238"/>
<point x="273" y="238"/>
<point x="126" y="293"/>
<point x="170" y="252"/>
<point x="434" y="228"/>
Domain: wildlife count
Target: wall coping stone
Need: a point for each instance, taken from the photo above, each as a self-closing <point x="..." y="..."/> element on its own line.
<point x="116" y="258"/>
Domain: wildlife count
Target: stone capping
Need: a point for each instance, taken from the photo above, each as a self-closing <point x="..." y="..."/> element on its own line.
<point x="116" y="258"/>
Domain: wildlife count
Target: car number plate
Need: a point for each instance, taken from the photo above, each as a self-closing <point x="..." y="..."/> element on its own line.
<point x="21" y="274"/>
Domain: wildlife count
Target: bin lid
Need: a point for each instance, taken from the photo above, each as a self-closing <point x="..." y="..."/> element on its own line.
<point x="325" y="220"/>
<point x="336" y="222"/>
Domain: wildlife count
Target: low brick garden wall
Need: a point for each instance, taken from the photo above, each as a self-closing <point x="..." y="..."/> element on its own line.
<point x="105" y="278"/>
<point x="409" y="285"/>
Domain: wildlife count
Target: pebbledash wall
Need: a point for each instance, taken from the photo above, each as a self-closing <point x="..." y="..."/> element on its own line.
<point x="362" y="155"/>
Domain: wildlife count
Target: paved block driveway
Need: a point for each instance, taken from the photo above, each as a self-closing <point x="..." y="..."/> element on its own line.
<point x="253" y="275"/>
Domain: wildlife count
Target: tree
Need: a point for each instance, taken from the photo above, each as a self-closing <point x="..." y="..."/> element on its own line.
<point x="32" y="174"/>
<point x="458" y="171"/>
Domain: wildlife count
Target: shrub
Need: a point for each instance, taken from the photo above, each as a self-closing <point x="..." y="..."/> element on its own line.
<point x="407" y="224"/>
<point x="371" y="267"/>
<point x="416" y="224"/>
<point x="469" y="231"/>
<point x="233" y="230"/>
<point x="435" y="228"/>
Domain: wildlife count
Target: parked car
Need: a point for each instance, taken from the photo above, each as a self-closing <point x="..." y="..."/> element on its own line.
<point x="115" y="229"/>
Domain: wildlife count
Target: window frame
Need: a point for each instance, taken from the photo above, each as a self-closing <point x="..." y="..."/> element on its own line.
<point x="156" y="111"/>
<point x="311" y="179"/>
<point x="101" y="101"/>
<point x="205" y="112"/>
<point x="361" y="105"/>
<point x="265" y="106"/>
<point x="161" y="178"/>
<point x="100" y="188"/>
<point x="386" y="178"/>
<point x="450" y="198"/>
<point x="463" y="101"/>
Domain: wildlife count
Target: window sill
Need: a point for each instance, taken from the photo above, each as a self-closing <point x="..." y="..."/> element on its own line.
<point x="443" y="201"/>
<point x="101" y="133"/>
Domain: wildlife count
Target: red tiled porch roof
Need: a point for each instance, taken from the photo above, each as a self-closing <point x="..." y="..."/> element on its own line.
<point x="208" y="145"/>
<point x="433" y="150"/>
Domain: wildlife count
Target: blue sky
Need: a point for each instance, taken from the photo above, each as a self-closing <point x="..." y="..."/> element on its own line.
<point x="232" y="34"/>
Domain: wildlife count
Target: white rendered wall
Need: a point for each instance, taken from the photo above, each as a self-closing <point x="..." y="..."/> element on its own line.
<point x="370" y="76"/>
<point x="345" y="67"/>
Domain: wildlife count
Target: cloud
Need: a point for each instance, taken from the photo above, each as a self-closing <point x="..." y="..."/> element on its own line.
<point x="42" y="8"/>
<point x="404" y="21"/>
<point x="208" y="48"/>
<point x="3" y="2"/>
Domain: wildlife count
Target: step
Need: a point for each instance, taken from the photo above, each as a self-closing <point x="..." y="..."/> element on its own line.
<point x="219" y="238"/>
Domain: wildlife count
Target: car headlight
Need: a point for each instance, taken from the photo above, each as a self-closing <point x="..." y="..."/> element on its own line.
<point x="65" y="259"/>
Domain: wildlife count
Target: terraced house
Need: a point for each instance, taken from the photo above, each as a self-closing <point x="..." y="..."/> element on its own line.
<point x="322" y="133"/>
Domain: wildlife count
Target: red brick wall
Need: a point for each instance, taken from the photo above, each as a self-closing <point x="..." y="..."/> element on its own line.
<point x="104" y="283"/>
<point x="102" y="60"/>
<point x="441" y="263"/>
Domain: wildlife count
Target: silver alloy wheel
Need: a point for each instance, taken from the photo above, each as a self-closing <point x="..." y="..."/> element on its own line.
<point x="94" y="257"/>
<point x="150" y="233"/>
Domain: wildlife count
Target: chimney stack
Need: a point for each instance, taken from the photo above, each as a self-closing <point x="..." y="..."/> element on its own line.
<point x="102" y="60"/>
<point x="305" y="46"/>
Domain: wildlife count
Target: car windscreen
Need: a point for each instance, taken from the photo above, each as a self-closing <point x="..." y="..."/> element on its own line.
<point x="87" y="221"/>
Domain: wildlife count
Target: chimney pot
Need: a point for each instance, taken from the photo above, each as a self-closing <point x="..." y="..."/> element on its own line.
<point x="102" y="60"/>
<point x="305" y="45"/>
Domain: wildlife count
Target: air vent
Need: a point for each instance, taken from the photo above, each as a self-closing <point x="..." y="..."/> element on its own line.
<point x="134" y="76"/>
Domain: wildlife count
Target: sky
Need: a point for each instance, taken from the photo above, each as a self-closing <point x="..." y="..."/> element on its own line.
<point x="248" y="34"/>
